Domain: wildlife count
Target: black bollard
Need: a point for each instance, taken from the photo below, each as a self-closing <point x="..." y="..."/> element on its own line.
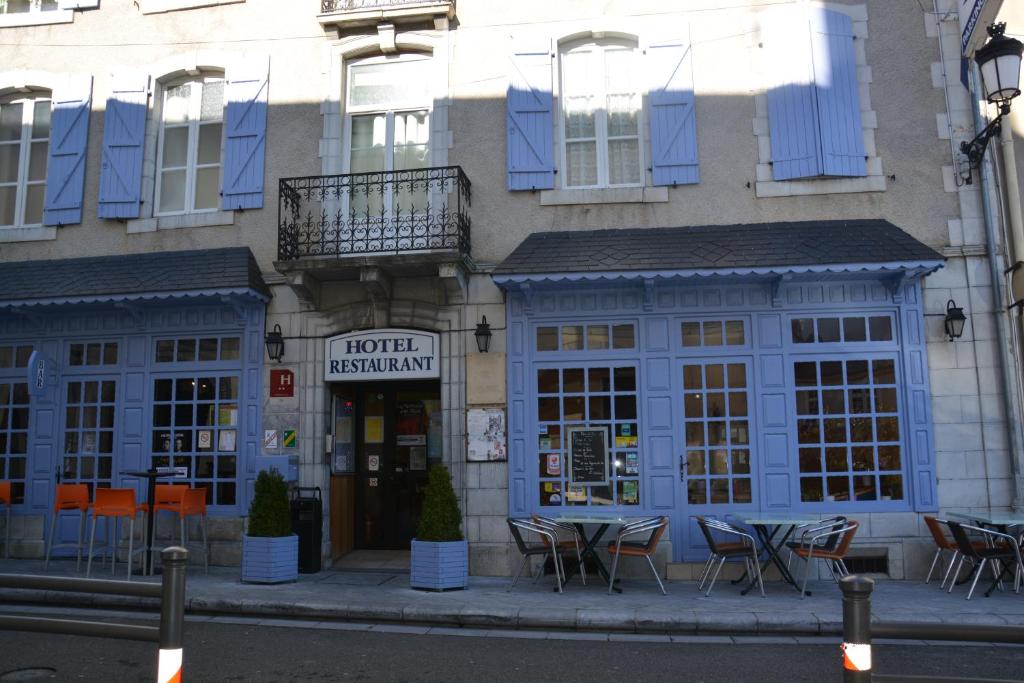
<point x="172" y="614"/>
<point x="856" y="628"/>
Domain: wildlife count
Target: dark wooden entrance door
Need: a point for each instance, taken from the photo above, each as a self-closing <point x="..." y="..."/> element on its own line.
<point x="398" y="435"/>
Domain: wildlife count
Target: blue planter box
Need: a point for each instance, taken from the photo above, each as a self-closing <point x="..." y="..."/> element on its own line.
<point x="270" y="560"/>
<point x="439" y="566"/>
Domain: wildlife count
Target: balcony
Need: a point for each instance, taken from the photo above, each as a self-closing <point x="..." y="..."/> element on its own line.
<point x="372" y="12"/>
<point x="373" y="215"/>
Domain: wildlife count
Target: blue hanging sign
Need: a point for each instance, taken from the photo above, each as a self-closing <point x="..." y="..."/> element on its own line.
<point x="42" y="373"/>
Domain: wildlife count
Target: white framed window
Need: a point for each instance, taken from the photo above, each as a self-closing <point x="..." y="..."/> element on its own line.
<point x="600" y="122"/>
<point x="24" y="150"/>
<point x="387" y="128"/>
<point x="189" y="146"/>
<point x="27" y="6"/>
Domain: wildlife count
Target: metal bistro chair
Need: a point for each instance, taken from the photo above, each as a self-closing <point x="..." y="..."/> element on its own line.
<point x="565" y="545"/>
<point x="818" y="547"/>
<point x="942" y="542"/>
<point x="808" y="530"/>
<point x="655" y="526"/>
<point x="998" y="548"/>
<point x="543" y="548"/>
<point x="745" y="548"/>
<point x="6" y="497"/>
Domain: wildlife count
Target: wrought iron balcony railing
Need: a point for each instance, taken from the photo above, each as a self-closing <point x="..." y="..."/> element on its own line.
<point x="388" y="212"/>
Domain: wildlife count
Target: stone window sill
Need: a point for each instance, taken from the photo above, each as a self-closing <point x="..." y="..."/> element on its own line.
<point x="208" y="219"/>
<point x="57" y="16"/>
<point x="157" y="6"/>
<point x="608" y="195"/>
<point x="28" y="234"/>
<point x="798" y="188"/>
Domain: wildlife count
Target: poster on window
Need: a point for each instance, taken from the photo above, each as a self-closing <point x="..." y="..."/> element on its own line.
<point x="486" y="433"/>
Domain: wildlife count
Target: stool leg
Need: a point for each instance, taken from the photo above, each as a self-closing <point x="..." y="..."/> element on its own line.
<point x="92" y="540"/>
<point x="49" y="541"/>
<point x="131" y="542"/>
<point x="114" y="545"/>
<point x="206" y="548"/>
<point x="7" y="532"/>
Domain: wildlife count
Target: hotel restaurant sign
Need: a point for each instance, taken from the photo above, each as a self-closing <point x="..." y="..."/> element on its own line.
<point x="383" y="354"/>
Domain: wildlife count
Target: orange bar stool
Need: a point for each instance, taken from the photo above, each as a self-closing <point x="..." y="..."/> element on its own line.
<point x="114" y="505"/>
<point x="166" y="498"/>
<point x="68" y="498"/>
<point x="184" y="502"/>
<point x="7" y="499"/>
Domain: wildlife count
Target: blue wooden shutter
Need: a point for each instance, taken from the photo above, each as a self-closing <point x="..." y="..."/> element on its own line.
<point x="673" y="118"/>
<point x="838" y="95"/>
<point x="792" y="106"/>
<point x="245" y="137"/>
<point x="531" y="157"/>
<point x="69" y="135"/>
<point x="124" y="132"/>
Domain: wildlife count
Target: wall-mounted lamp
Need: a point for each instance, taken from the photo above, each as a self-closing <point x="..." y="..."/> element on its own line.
<point x="483" y="336"/>
<point x="275" y="344"/>
<point x="999" y="61"/>
<point x="955" y="320"/>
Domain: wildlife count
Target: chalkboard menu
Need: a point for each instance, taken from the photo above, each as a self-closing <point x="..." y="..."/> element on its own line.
<point x="588" y="455"/>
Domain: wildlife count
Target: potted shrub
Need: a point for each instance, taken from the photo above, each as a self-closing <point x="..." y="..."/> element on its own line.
<point x="440" y="556"/>
<point x="270" y="551"/>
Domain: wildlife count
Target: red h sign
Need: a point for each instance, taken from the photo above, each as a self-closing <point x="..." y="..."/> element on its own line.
<point x="282" y="383"/>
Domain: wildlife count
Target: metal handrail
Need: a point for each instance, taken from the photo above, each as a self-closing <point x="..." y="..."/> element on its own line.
<point x="171" y="592"/>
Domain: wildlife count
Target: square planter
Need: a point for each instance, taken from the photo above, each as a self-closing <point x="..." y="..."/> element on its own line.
<point x="270" y="560"/>
<point x="439" y="565"/>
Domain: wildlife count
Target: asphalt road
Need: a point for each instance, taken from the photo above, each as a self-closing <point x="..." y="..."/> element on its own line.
<point x="250" y="652"/>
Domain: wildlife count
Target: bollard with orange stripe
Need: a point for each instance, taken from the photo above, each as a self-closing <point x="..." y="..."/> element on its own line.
<point x="172" y="614"/>
<point x="856" y="628"/>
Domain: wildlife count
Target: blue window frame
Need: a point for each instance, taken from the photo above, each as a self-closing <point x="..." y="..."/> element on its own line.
<point x="90" y="406"/>
<point x="595" y="395"/>
<point x="14" y="418"/>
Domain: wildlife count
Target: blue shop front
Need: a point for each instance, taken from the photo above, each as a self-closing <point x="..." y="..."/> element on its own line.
<point x="732" y="370"/>
<point x="119" y="363"/>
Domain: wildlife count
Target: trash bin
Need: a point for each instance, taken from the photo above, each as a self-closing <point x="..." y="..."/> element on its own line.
<point x="307" y="523"/>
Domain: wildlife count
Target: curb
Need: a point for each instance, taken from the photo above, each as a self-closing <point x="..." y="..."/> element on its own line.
<point x="532" y="618"/>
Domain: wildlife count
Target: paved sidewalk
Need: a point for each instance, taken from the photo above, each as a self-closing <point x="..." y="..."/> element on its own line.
<point x="386" y="597"/>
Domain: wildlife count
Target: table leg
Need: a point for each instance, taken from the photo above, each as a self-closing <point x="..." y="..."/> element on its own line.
<point x="148" y="555"/>
<point x="772" y="550"/>
<point x="765" y="542"/>
<point x="588" y="550"/>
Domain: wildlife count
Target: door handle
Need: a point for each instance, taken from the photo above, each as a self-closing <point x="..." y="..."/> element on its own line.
<point x="682" y="467"/>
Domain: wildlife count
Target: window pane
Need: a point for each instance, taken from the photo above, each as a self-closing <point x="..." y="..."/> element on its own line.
<point x="387" y="85"/>
<point x="581" y="163"/>
<point x="175" y="147"/>
<point x="172" y="191"/>
<point x="34" y="196"/>
<point x="713" y="333"/>
<point x="7" y="197"/>
<point x="547" y="338"/>
<point x="10" y="121"/>
<point x="803" y="330"/>
<point x="622" y="337"/>
<point x="229" y="348"/>
<point x="9" y="162"/>
<point x="622" y="115"/>
<point x="207" y="190"/>
<point x="209" y="143"/>
<point x="212" y="104"/>
<point x="165" y="351"/>
<point x="881" y="328"/>
<point x="854" y="330"/>
<point x="828" y="329"/>
<point x="572" y="338"/>
<point x="597" y="336"/>
<point x="547" y="381"/>
<point x="691" y="334"/>
<point x="810" y="460"/>
<point x="37" y="160"/>
<point x="624" y="161"/>
<point x="734" y="332"/>
<point x="176" y="103"/>
<point x="599" y="379"/>
<point x="572" y="381"/>
<point x="810" y="489"/>
<point x="41" y="119"/>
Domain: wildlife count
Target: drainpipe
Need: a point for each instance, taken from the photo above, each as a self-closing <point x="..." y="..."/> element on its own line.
<point x="1012" y="190"/>
<point x="1007" y="360"/>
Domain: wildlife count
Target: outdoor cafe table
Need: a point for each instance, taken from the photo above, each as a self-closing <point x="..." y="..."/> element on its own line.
<point x="770" y="548"/>
<point x="150" y="476"/>
<point x="590" y="544"/>
<point x="1000" y="520"/>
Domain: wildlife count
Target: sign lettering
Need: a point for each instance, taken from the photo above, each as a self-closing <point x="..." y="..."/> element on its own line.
<point x="383" y="354"/>
<point x="588" y="456"/>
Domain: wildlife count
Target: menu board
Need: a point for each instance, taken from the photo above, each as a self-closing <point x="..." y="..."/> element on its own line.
<point x="588" y="455"/>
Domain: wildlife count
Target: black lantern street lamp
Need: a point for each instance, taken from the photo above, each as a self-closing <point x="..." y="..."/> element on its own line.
<point x="999" y="61"/>
<point x="275" y="344"/>
<point x="955" y="320"/>
<point x="483" y="336"/>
